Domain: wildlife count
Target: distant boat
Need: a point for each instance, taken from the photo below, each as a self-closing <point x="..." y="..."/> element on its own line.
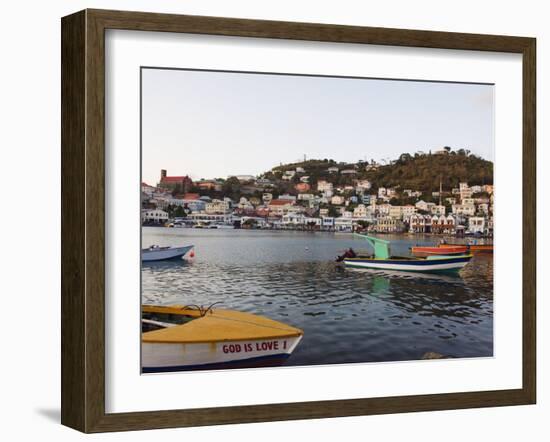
<point x="176" y="338"/>
<point x="473" y="248"/>
<point x="441" y="250"/>
<point x="382" y="260"/>
<point x="157" y="253"/>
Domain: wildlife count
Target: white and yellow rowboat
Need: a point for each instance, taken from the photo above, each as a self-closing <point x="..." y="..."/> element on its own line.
<point x="177" y="338"/>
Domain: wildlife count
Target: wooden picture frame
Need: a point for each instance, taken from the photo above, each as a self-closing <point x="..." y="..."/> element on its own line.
<point x="83" y="220"/>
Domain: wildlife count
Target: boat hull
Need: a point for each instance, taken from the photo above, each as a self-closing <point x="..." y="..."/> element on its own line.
<point x="435" y="265"/>
<point x="429" y="251"/>
<point x="166" y="357"/>
<point x="164" y="254"/>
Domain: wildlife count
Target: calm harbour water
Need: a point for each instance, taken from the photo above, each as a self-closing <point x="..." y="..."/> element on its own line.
<point x="347" y="315"/>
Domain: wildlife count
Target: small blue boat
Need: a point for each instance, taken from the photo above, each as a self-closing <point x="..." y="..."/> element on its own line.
<point x="382" y="260"/>
<point x="157" y="253"/>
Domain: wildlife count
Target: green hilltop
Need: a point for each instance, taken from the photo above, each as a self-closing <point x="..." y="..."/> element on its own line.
<point x="420" y="171"/>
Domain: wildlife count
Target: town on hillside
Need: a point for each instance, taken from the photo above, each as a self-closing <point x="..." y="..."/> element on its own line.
<point x="444" y="192"/>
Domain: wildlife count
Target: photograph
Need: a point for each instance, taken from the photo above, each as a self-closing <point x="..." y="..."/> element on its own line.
<point x="303" y="220"/>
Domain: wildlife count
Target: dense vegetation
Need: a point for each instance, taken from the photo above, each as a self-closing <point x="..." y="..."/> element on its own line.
<point x="423" y="172"/>
<point x="419" y="172"/>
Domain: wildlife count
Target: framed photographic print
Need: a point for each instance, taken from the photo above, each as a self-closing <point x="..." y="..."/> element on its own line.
<point x="267" y="220"/>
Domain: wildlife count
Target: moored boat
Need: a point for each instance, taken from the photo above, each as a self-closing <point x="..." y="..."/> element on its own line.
<point x="449" y="251"/>
<point x="157" y="253"/>
<point x="383" y="260"/>
<point x="177" y="338"/>
<point x="472" y="248"/>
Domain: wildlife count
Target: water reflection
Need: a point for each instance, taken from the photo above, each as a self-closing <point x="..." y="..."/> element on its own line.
<point x="348" y="315"/>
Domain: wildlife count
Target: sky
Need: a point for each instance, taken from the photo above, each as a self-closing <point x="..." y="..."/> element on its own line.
<point x="216" y="124"/>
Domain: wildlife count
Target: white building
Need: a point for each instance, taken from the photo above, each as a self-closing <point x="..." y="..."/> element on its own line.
<point x="464" y="209"/>
<point x="362" y="185"/>
<point x="287" y="197"/>
<point x="408" y="210"/>
<point x="324" y="186"/>
<point x="423" y="205"/>
<point x="217" y="206"/>
<point x="305" y="196"/>
<point x="154" y="215"/>
<point x="360" y="211"/>
<point x="267" y="197"/>
<point x="437" y="210"/>
<point x="396" y="212"/>
<point x="337" y="200"/>
<point x="476" y="224"/>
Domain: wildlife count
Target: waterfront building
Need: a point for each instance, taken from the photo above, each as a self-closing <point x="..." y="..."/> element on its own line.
<point x="388" y="224"/>
<point x="343" y="224"/>
<point x="154" y="216"/>
<point x="420" y="223"/>
<point x="443" y="224"/>
<point x="476" y="224"/>
<point x="327" y="222"/>
<point x="323" y="212"/>
<point x="223" y="218"/>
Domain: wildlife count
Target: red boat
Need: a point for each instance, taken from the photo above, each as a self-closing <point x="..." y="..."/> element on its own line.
<point x="440" y="250"/>
<point x="472" y="248"/>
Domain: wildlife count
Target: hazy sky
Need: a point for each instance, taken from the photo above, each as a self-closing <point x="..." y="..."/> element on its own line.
<point x="215" y="124"/>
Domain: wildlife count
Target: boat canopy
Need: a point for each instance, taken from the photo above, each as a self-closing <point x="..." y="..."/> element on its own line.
<point x="217" y="325"/>
<point x="381" y="247"/>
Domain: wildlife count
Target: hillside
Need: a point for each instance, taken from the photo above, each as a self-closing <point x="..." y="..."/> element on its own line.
<point x="418" y="172"/>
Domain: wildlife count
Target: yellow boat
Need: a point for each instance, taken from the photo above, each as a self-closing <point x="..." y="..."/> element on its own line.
<point x="177" y="338"/>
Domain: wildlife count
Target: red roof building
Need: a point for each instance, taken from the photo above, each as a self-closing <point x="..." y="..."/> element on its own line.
<point x="180" y="183"/>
